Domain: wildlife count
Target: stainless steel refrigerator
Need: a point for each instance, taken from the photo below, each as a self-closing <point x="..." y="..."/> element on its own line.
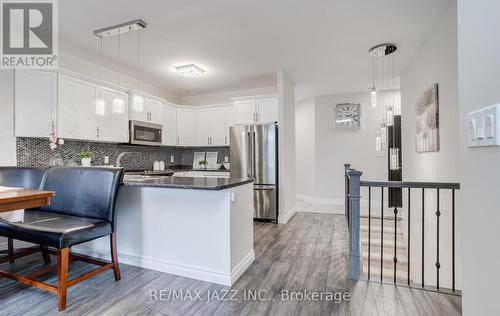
<point x="254" y="154"/>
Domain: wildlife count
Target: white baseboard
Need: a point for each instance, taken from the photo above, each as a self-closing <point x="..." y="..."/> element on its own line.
<point x="283" y="219"/>
<point x="242" y="266"/>
<point x="218" y="277"/>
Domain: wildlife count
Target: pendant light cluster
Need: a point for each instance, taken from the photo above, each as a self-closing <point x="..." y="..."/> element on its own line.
<point x="382" y="58"/>
<point x="118" y="103"/>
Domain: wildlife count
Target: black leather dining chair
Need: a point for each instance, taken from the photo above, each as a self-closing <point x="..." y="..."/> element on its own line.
<point x="82" y="209"/>
<point x="27" y="178"/>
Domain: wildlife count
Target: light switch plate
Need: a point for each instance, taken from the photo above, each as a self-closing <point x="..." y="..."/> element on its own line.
<point x="226" y="159"/>
<point x="483" y="127"/>
<point x="172" y="158"/>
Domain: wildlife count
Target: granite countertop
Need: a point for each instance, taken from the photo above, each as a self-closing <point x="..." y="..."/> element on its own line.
<point x="188" y="183"/>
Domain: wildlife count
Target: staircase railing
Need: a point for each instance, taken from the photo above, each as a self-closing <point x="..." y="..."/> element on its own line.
<point x="353" y="185"/>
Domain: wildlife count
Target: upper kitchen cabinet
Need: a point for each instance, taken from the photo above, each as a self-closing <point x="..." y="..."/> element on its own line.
<point x="169" y="125"/>
<point x="35" y="103"/>
<point x="186" y="127"/>
<point x="267" y="110"/>
<point x="151" y="111"/>
<point x="203" y="132"/>
<point x="212" y="126"/>
<point x="244" y="111"/>
<point x="229" y="116"/>
<point x="255" y="110"/>
<point x="113" y="122"/>
<point x="77" y="117"/>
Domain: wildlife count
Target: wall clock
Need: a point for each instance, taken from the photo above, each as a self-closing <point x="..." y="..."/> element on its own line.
<point x="348" y="115"/>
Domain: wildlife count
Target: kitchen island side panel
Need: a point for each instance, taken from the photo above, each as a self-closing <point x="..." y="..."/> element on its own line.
<point x="179" y="231"/>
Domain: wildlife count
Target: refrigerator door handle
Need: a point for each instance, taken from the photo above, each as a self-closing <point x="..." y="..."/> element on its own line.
<point x="253" y="155"/>
<point x="250" y="162"/>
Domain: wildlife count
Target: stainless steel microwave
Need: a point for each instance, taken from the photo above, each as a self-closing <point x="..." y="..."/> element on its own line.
<point x="143" y="133"/>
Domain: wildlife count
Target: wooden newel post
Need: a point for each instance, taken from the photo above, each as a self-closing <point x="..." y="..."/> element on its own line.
<point x="354" y="222"/>
<point x="347" y="167"/>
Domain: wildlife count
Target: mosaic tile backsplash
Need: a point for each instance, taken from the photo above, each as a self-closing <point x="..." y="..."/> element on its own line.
<point x="36" y="152"/>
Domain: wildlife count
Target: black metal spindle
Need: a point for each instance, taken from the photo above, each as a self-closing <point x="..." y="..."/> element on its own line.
<point x="369" y="228"/>
<point x="453" y="240"/>
<point x="409" y="234"/>
<point x="438" y="265"/>
<point x="423" y="233"/>
<point x="382" y="236"/>
<point x="395" y="259"/>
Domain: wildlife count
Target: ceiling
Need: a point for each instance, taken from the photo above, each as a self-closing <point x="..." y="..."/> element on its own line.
<point x="322" y="44"/>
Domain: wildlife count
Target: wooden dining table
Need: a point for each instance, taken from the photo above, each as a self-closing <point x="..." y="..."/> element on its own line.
<point x="18" y="199"/>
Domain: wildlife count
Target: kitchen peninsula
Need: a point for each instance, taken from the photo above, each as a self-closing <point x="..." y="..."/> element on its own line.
<point x="200" y="228"/>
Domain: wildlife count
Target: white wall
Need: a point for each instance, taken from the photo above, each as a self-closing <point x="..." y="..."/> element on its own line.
<point x="327" y="149"/>
<point x="7" y="139"/>
<point x="286" y="141"/>
<point x="436" y="62"/>
<point x="305" y="150"/>
<point x="479" y="86"/>
<point x="225" y="97"/>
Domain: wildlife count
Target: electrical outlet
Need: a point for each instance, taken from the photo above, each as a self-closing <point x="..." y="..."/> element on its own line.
<point x="226" y="159"/>
<point x="172" y="158"/>
<point x="106" y="160"/>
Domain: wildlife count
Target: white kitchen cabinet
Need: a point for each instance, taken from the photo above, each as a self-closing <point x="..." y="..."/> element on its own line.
<point x="256" y="110"/>
<point x="244" y="111"/>
<point x="203" y="132"/>
<point x="113" y="126"/>
<point x="267" y="110"/>
<point x="151" y="110"/>
<point x="229" y="116"/>
<point x="77" y="109"/>
<point x="186" y="127"/>
<point x="169" y="125"/>
<point x="212" y="127"/>
<point x="35" y="103"/>
<point x="218" y="127"/>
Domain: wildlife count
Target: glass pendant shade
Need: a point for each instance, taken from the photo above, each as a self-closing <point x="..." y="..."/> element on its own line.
<point x="378" y="143"/>
<point x="394" y="158"/>
<point x="373" y="97"/>
<point x="390" y="117"/>
<point x="100" y="107"/>
<point x="118" y="106"/>
<point x="138" y="104"/>
<point x="383" y="133"/>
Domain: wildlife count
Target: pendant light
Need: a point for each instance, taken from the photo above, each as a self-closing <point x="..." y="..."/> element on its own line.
<point x="373" y="90"/>
<point x="100" y="104"/>
<point x="384" y="54"/>
<point x="378" y="142"/>
<point x="138" y="100"/>
<point x="383" y="133"/>
<point x="118" y="106"/>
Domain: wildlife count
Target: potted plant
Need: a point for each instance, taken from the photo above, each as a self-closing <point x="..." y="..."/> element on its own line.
<point x="86" y="157"/>
<point x="203" y="164"/>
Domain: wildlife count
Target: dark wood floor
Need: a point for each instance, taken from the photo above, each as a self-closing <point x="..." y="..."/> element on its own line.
<point x="308" y="253"/>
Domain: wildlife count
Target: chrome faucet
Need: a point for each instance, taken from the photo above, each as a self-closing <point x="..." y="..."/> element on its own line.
<point x="118" y="163"/>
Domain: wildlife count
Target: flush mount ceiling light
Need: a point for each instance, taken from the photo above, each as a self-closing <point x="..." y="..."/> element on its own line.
<point x="190" y="70"/>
